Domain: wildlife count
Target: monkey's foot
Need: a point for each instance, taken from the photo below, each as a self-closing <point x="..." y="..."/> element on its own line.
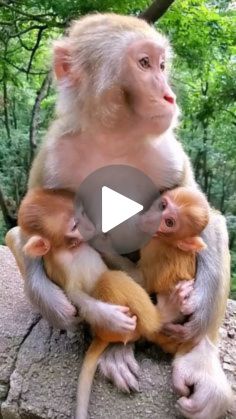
<point x="118" y="364"/>
<point x="201" y="371"/>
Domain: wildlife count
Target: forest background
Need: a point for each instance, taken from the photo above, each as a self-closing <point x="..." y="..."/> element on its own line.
<point x="203" y="35"/>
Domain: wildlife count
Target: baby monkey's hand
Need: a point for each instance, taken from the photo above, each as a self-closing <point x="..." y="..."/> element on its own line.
<point x="116" y="318"/>
<point x="174" y="307"/>
<point x="182" y="297"/>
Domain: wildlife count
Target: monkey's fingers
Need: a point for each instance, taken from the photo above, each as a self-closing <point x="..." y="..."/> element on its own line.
<point x="205" y="402"/>
<point x="179" y="382"/>
<point x="181" y="291"/>
<point x="187" y="308"/>
<point x="125" y="323"/>
<point x="183" y="283"/>
<point x="123" y="309"/>
<point x="131" y="361"/>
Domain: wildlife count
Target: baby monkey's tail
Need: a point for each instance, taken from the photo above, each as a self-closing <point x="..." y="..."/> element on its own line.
<point x="86" y="377"/>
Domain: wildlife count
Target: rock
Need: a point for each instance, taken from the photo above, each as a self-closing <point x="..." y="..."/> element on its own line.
<point x="39" y="366"/>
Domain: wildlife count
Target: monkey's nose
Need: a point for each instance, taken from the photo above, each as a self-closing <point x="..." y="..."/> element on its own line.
<point x="169" y="99"/>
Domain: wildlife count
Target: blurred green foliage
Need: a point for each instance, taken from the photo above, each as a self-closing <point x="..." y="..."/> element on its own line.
<point x="204" y="41"/>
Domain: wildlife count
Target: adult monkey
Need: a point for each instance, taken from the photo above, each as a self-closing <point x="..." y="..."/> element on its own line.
<point x="110" y="69"/>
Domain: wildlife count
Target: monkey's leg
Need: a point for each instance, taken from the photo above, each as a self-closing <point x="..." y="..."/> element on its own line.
<point x="46" y="296"/>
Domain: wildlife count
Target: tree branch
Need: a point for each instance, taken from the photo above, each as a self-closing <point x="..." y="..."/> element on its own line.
<point x="156" y="10"/>
<point x="36" y="46"/>
<point x="28" y="15"/>
<point x="23" y="70"/>
<point x="41" y="94"/>
<point x="31" y="28"/>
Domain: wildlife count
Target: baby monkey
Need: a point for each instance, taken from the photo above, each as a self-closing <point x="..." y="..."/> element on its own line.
<point x="58" y="232"/>
<point x="167" y="263"/>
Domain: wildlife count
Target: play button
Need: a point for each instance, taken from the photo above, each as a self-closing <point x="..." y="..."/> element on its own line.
<point x="113" y="198"/>
<point x="116" y="208"/>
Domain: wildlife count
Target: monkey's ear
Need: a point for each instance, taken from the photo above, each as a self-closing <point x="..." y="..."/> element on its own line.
<point x="61" y="62"/>
<point x="36" y="246"/>
<point x="194" y="244"/>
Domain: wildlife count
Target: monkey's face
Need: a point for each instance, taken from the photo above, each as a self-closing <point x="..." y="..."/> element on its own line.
<point x="144" y="80"/>
<point x="185" y="213"/>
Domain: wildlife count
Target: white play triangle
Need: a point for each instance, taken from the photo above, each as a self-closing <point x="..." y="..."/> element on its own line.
<point x="116" y="208"/>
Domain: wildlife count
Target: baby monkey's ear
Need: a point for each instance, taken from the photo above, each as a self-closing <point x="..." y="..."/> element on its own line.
<point x="36" y="246"/>
<point x="194" y="244"/>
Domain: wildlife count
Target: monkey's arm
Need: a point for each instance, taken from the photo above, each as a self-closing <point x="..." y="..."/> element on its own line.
<point x="212" y="281"/>
<point x="99" y="313"/>
<point x="46" y="296"/>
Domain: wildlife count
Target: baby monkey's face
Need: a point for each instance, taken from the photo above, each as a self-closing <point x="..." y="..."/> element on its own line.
<point x="163" y="217"/>
<point x="177" y="214"/>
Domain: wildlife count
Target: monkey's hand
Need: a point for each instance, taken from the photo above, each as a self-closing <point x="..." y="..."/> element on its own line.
<point x="118" y="364"/>
<point x="200" y="369"/>
<point x="185" y="331"/>
<point x="175" y="305"/>
<point x="115" y="318"/>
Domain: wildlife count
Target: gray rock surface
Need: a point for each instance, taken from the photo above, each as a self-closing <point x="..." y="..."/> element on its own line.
<point x="39" y="366"/>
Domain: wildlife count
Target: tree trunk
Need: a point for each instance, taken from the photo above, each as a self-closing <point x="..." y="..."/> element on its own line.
<point x="156" y="10"/>
<point x="9" y="219"/>
<point x="5" y="107"/>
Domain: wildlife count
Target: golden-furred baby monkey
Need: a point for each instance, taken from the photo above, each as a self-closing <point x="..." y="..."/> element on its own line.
<point x="167" y="263"/>
<point x="58" y="232"/>
<point x="115" y="106"/>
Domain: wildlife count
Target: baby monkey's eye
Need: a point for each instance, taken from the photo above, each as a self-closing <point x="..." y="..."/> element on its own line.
<point x="169" y="222"/>
<point x="163" y="204"/>
<point x="145" y="62"/>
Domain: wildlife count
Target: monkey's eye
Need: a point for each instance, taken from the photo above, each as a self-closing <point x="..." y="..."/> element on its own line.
<point x="162" y="66"/>
<point x="169" y="222"/>
<point x="145" y="62"/>
<point x="163" y="204"/>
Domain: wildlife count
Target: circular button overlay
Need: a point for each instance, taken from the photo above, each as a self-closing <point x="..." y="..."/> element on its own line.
<point x="129" y="182"/>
